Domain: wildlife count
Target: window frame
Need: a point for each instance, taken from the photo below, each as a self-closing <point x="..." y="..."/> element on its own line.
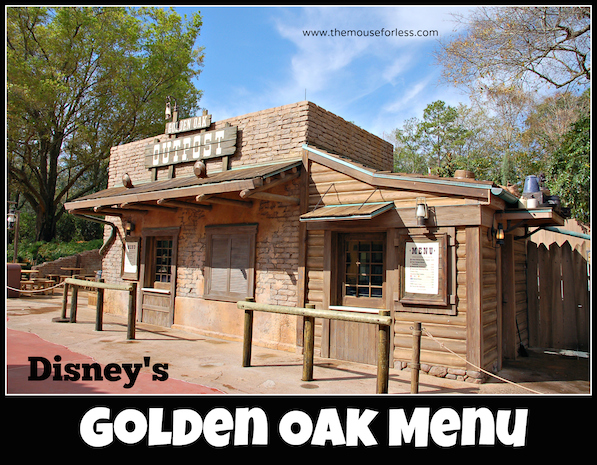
<point x="231" y="232"/>
<point x="362" y="301"/>
<point x="156" y="258"/>
<point x="148" y="260"/>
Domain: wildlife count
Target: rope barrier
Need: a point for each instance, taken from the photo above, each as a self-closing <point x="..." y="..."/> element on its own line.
<point x="424" y="329"/>
<point x="35" y="290"/>
<point x="475" y="366"/>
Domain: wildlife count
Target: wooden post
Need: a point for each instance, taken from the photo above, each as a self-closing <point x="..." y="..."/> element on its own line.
<point x="248" y="335"/>
<point x="415" y="365"/>
<point x="383" y="356"/>
<point x="309" y="343"/>
<point x="509" y="333"/>
<point x="73" y="304"/>
<point x="99" y="308"/>
<point x="62" y="318"/>
<point x="132" y="312"/>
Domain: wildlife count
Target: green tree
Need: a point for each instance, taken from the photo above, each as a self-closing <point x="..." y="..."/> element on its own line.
<point x="477" y="152"/>
<point x="506" y="109"/>
<point x="431" y="144"/>
<point x="81" y="80"/>
<point x="439" y="133"/>
<point x="407" y="156"/>
<point x="569" y="170"/>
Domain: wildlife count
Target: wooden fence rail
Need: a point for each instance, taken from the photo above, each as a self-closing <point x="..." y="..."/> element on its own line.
<point x="131" y="288"/>
<point x="558" y="286"/>
<point x="383" y="320"/>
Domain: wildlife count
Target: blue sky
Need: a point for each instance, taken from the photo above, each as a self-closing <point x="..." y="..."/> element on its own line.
<point x="258" y="58"/>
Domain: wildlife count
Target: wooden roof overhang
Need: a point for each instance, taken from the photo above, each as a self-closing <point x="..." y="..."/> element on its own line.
<point x="437" y="185"/>
<point x="486" y="193"/>
<point x="365" y="211"/>
<point x="191" y="192"/>
<point x="535" y="217"/>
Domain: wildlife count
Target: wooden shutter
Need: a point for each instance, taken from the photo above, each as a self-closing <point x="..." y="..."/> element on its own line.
<point x="240" y="254"/>
<point x="220" y="263"/>
<point x="230" y="262"/>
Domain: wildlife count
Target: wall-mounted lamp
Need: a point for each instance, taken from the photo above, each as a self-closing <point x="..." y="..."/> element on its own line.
<point x="129" y="227"/>
<point x="421" y="212"/>
<point x="11" y="219"/>
<point x="12" y="224"/>
<point x="499" y="235"/>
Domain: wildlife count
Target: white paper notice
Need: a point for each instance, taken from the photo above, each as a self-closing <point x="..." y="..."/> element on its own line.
<point x="422" y="268"/>
<point x="130" y="258"/>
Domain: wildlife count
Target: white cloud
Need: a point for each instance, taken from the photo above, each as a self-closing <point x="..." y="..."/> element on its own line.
<point x="407" y="97"/>
<point x="330" y="66"/>
<point x="377" y="82"/>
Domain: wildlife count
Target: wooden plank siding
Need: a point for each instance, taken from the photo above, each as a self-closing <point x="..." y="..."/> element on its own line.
<point x="330" y="187"/>
<point x="450" y="330"/>
<point x="491" y="305"/>
<point x="314" y="283"/>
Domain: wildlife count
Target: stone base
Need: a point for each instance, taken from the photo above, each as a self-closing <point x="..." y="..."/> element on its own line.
<point x="457" y="374"/>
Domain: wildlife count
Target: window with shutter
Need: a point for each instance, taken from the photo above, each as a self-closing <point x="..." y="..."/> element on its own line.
<point x="230" y="262"/>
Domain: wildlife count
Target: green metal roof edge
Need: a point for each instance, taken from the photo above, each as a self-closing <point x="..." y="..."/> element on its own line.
<point x="504" y="195"/>
<point x="399" y="177"/>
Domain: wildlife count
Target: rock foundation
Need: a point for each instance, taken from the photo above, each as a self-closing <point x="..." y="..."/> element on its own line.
<point x="457" y="374"/>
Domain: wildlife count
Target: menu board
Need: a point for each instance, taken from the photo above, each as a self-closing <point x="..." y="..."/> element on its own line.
<point x="421" y="268"/>
<point x="130" y="259"/>
<point x="424" y="273"/>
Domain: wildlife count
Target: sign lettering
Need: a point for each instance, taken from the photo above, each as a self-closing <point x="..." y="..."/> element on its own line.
<point x="189" y="124"/>
<point x="211" y="144"/>
<point x="421" y="268"/>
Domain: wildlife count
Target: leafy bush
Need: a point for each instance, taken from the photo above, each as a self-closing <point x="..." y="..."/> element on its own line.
<point x="36" y="253"/>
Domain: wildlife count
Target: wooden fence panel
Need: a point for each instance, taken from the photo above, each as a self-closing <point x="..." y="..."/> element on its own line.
<point x="582" y="291"/>
<point x="533" y="295"/>
<point x="558" y="297"/>
<point x="557" y="312"/>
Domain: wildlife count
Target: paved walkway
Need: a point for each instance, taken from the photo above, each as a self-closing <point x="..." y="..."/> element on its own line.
<point x="20" y="346"/>
<point x="197" y="364"/>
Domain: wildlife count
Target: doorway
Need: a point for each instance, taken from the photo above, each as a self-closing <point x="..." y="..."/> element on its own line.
<point x="361" y="285"/>
<point x="159" y="276"/>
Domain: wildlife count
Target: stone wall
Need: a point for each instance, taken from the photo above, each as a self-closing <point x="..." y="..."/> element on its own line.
<point x="270" y="135"/>
<point x="334" y="134"/>
<point x="90" y="261"/>
<point x="128" y="158"/>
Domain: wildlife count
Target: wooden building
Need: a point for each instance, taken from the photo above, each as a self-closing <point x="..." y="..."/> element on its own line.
<point x="294" y="206"/>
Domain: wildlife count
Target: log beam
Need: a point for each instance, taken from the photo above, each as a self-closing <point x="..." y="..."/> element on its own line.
<point x="181" y="204"/>
<point x="224" y="201"/>
<point x="146" y="206"/>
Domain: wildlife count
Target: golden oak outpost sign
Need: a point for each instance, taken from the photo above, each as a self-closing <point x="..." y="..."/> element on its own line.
<point x="209" y="144"/>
